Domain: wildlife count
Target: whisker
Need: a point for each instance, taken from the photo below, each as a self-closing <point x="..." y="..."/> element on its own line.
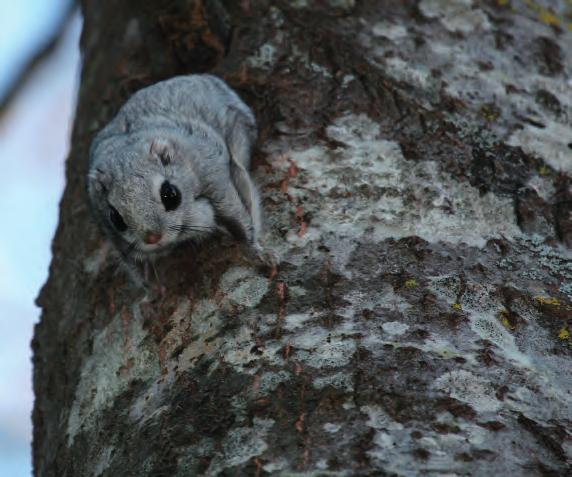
<point x="132" y="253"/>
<point x="155" y="273"/>
<point x="185" y="228"/>
<point x="118" y="264"/>
<point x="130" y="247"/>
<point x="191" y="226"/>
<point x="138" y="256"/>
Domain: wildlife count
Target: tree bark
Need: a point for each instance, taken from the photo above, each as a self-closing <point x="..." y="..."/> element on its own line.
<point x="414" y="163"/>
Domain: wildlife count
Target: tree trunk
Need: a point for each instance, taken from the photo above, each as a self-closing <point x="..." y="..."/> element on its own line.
<point x="415" y="167"/>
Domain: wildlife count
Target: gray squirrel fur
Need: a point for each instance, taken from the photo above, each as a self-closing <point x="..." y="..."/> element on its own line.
<point x="195" y="133"/>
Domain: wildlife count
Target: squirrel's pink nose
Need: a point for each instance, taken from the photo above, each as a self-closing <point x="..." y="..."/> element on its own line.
<point x="152" y="238"/>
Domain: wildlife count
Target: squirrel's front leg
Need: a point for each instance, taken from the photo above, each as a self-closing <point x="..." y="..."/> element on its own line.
<point x="232" y="213"/>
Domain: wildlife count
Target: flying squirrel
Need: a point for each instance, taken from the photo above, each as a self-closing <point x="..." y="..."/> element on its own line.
<point x="173" y="166"/>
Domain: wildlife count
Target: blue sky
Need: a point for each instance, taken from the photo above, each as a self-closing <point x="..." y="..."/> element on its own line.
<point x="33" y="144"/>
<point x="24" y="25"/>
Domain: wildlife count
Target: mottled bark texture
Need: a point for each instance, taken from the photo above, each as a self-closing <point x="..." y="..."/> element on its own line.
<point x="415" y="167"/>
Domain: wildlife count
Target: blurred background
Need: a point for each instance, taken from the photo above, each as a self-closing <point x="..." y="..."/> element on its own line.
<point x="39" y="76"/>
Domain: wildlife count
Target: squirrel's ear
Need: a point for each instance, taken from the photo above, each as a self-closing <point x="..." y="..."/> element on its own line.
<point x="98" y="179"/>
<point x="162" y="149"/>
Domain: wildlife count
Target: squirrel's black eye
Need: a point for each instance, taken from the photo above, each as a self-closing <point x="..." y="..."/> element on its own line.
<point x="117" y="220"/>
<point x="170" y="196"/>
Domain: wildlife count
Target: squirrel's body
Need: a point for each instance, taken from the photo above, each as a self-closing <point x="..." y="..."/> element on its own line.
<point x="173" y="166"/>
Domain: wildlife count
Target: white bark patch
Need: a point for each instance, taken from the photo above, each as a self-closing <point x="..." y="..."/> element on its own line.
<point x="297" y="320"/>
<point x="270" y="381"/>
<point x="243" y="287"/>
<point x="433" y="345"/>
<point x="264" y="58"/>
<point x="550" y="138"/>
<point x="385" y="298"/>
<point x="343" y="381"/>
<point x="347" y="79"/>
<point x="240" y="445"/>
<point x="379" y="419"/>
<point x="103" y="461"/>
<point x="395" y="327"/>
<point x="542" y="186"/>
<point x="205" y="325"/>
<point x="394" y="443"/>
<point x="470" y="388"/>
<point x="482" y="75"/>
<point x="275" y="466"/>
<point x="331" y="428"/>
<point x="401" y="70"/>
<point x="456" y="15"/>
<point x="303" y="56"/>
<point x="390" y="31"/>
<point x="372" y="189"/>
<point x="119" y="356"/>
<point x="236" y="350"/>
<point x="550" y="143"/>
<point x="321" y="348"/>
<point x="484" y="309"/>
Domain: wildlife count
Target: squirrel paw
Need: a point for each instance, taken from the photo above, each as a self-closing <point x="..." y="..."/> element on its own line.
<point x="266" y="256"/>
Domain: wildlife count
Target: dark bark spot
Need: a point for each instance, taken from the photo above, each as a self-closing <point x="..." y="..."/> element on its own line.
<point x="548" y="56"/>
<point x="550" y="437"/>
<point x="420" y="453"/>
<point x="492" y="425"/>
<point x="549" y="102"/>
<point x="501" y="168"/>
<point x="533" y="215"/>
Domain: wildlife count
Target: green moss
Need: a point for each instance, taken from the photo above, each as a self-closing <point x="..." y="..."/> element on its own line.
<point x="547" y="300"/>
<point x="503" y="318"/>
<point x="543" y="170"/>
<point x="411" y="283"/>
<point x="490" y="112"/>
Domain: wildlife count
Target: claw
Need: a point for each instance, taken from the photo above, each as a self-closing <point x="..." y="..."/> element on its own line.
<point x="266" y="256"/>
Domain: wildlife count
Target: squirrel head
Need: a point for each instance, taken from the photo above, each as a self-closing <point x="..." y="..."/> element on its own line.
<point x="145" y="192"/>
